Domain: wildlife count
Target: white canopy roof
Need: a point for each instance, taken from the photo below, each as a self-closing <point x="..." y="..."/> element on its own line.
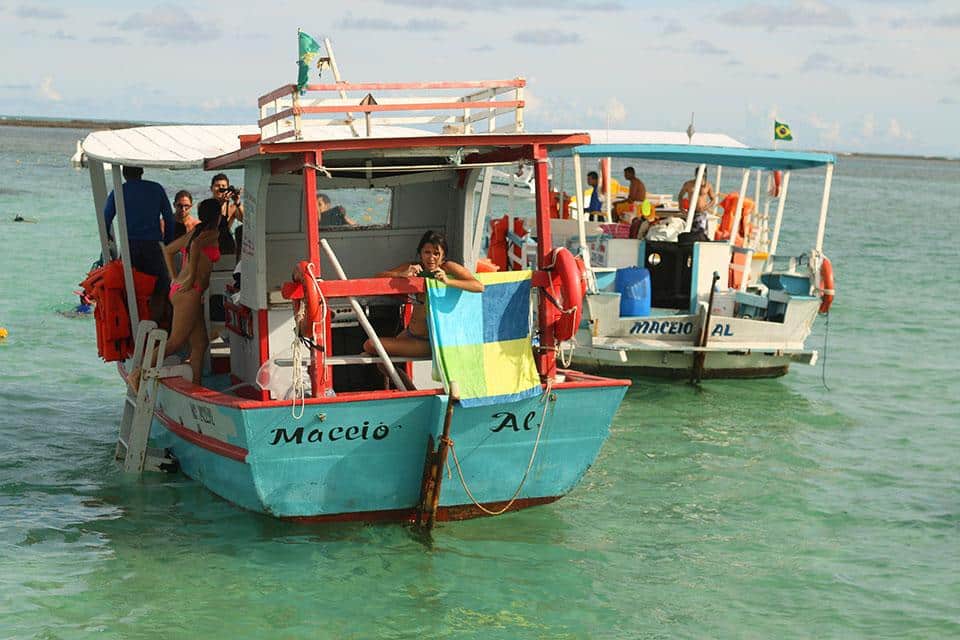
<point x="165" y="146"/>
<point x="631" y="136"/>
<point x="186" y="146"/>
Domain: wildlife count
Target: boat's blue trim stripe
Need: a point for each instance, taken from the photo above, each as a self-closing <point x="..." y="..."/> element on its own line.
<point x="746" y="158"/>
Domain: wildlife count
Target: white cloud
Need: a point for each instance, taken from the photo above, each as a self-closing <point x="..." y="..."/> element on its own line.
<point x="828" y="132"/>
<point x="48" y="92"/>
<point x="799" y="13"/>
<point x="616" y="111"/>
<point x="869" y="125"/>
<point x="169" y="22"/>
<point x="897" y="132"/>
<point x="546" y="37"/>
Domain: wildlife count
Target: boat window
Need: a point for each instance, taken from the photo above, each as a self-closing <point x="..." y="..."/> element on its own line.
<point x="354" y="208"/>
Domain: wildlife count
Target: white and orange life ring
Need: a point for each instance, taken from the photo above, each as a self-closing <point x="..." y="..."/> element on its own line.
<point x="827" y="289"/>
<point x="567" y="287"/>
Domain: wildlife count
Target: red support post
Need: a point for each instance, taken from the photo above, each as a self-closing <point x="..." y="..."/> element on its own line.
<point x="546" y="356"/>
<point x="320" y="374"/>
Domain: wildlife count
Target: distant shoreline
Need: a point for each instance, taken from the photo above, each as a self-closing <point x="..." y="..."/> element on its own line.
<point x="68" y="123"/>
<point x="100" y="125"/>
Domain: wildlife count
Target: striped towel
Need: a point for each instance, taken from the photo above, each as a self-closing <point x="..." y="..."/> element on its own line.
<point x="481" y="341"/>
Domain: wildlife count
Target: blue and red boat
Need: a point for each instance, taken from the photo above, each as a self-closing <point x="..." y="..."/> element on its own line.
<point x="345" y="178"/>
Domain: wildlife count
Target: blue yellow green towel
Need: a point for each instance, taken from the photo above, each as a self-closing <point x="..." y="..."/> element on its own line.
<point x="481" y="341"/>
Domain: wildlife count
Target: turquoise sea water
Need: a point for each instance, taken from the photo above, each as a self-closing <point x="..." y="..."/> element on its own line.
<point x="736" y="510"/>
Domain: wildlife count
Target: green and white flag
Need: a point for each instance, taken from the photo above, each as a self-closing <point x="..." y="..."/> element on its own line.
<point x="309" y="49"/>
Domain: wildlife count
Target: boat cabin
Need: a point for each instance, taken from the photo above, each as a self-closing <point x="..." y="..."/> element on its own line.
<point x="349" y="187"/>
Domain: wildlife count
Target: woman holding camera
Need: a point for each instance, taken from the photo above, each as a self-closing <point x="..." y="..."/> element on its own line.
<point x="432" y="252"/>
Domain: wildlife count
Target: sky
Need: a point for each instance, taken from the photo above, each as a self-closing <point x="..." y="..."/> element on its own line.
<point x="874" y="76"/>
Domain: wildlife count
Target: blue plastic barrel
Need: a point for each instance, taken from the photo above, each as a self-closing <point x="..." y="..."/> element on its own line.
<point x="633" y="285"/>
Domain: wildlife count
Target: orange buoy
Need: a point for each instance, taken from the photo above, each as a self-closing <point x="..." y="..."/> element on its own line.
<point x="826" y="285"/>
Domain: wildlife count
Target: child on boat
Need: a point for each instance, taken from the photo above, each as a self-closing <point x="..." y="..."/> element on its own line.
<point x="432" y="263"/>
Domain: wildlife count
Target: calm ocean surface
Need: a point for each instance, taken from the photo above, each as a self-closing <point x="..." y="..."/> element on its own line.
<point x="737" y="510"/>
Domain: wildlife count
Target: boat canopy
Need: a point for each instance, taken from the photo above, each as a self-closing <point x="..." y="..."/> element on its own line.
<point x="703" y="149"/>
<point x="187" y="146"/>
<point x="165" y="146"/>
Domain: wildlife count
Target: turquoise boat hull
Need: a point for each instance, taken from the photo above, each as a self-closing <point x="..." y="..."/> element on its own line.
<point x="361" y="456"/>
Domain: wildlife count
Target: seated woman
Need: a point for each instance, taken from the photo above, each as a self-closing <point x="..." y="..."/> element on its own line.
<point x="200" y="249"/>
<point x="432" y="263"/>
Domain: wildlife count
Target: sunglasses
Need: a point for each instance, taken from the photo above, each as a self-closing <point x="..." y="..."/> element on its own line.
<point x="183" y="206"/>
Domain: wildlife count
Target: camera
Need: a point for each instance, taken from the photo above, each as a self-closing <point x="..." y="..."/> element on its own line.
<point x="424" y="273"/>
<point x="231" y="189"/>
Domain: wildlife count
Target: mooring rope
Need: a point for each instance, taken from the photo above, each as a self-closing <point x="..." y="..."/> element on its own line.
<point x="823" y="368"/>
<point x="533" y="454"/>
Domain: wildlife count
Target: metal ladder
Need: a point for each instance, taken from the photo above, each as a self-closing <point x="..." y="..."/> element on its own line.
<point x="132" y="451"/>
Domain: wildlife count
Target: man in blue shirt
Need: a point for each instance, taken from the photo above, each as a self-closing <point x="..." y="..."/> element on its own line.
<point x="594" y="207"/>
<point x="146" y="203"/>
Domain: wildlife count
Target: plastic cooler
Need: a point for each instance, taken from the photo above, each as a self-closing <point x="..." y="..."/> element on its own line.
<point x="633" y="285"/>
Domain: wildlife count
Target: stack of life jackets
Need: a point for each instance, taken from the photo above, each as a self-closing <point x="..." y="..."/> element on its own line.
<point x="105" y="287"/>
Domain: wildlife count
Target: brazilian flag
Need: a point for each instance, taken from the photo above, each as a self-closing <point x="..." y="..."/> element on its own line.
<point x="308" y="51"/>
<point x="781" y="131"/>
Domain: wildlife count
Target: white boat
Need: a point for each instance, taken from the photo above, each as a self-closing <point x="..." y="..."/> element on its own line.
<point x="752" y="320"/>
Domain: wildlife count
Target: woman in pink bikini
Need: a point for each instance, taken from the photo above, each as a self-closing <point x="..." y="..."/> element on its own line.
<point x="200" y="251"/>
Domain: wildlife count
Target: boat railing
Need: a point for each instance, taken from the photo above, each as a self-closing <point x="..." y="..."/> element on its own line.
<point x="286" y="113"/>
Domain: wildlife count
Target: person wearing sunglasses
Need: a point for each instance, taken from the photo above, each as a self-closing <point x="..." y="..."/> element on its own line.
<point x="183" y="220"/>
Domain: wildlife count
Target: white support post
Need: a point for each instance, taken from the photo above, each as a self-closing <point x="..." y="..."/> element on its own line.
<point x="756" y="191"/>
<point x="716" y="190"/>
<point x="781" y="201"/>
<point x="123" y="243"/>
<point x="336" y="77"/>
<point x="750" y="241"/>
<point x="695" y="197"/>
<point x="735" y="229"/>
<point x="98" y="183"/>
<point x="364" y="322"/>
<point x="747" y="250"/>
<point x="582" y="224"/>
<point x="518" y="121"/>
<point x="562" y="165"/>
<point x="482" y="210"/>
<point x="607" y="177"/>
<point x="297" y="118"/>
<point x="824" y="204"/>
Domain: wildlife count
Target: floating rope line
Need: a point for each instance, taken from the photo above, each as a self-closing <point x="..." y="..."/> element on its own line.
<point x="533" y="454"/>
<point x="299" y="380"/>
<point x="823" y="368"/>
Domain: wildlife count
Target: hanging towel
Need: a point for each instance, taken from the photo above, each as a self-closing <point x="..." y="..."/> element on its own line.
<point x="481" y="341"/>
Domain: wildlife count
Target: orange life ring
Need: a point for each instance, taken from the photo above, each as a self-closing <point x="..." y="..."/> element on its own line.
<point x="826" y="285"/>
<point x="311" y="297"/>
<point x="567" y="286"/>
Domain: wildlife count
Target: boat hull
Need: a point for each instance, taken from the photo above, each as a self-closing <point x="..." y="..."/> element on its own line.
<point x="674" y="364"/>
<point x="666" y="345"/>
<point x="363" y="459"/>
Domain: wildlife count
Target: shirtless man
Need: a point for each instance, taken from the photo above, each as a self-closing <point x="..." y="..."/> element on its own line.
<point x="706" y="201"/>
<point x="638" y="193"/>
